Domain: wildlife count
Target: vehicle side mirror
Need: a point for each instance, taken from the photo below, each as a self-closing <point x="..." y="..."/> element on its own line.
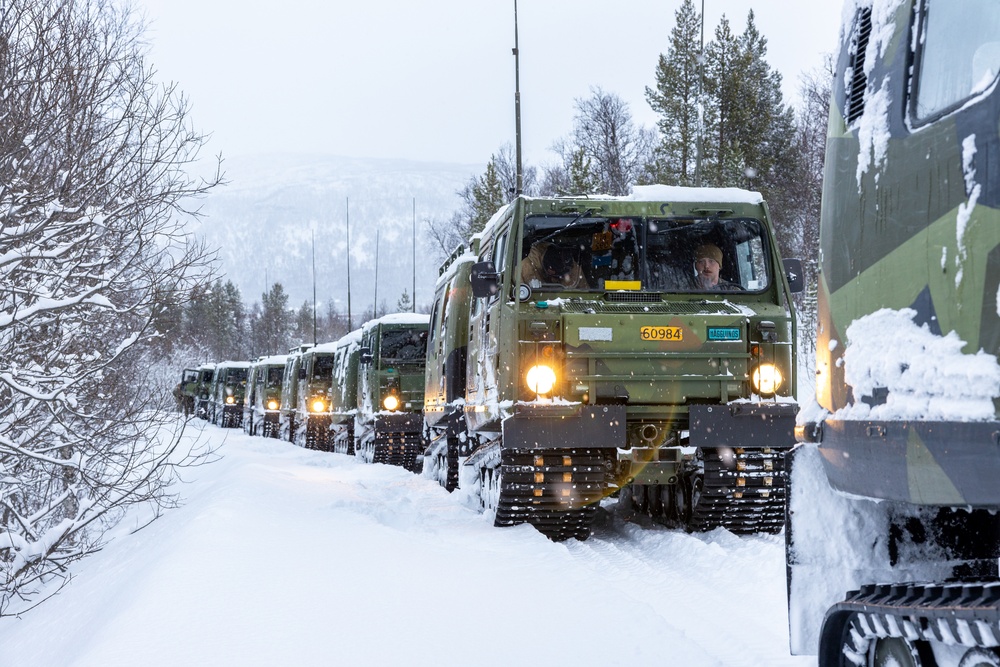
<point x="485" y="279"/>
<point x="366" y="356"/>
<point x="796" y="279"/>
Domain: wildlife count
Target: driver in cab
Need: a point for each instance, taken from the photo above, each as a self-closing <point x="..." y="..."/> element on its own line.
<point x="550" y="263"/>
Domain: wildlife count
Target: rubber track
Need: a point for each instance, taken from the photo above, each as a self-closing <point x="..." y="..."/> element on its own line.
<point x="564" y="504"/>
<point x="399" y="449"/>
<point x="964" y="613"/>
<point x="748" y="500"/>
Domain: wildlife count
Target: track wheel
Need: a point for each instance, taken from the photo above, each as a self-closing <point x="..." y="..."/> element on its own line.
<point x="980" y="657"/>
<point x="894" y="652"/>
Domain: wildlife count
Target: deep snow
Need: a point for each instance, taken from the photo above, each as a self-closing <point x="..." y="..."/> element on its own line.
<point x="283" y="556"/>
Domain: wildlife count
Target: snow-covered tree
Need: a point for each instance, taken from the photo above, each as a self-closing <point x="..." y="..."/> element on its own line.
<point x="618" y="151"/>
<point x="92" y="246"/>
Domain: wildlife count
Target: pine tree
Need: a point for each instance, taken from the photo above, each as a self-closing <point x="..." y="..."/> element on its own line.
<point x="722" y="162"/>
<point x="676" y="100"/>
<point x="275" y="323"/>
<point x="405" y="303"/>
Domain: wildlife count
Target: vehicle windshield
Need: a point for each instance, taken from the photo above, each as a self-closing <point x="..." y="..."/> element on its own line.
<point x="236" y="375"/>
<point x="403" y="345"/>
<point x="323" y="367"/>
<point x="648" y="254"/>
<point x="274" y="375"/>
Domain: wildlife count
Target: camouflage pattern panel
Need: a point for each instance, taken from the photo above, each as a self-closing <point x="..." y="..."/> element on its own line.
<point x="448" y="339"/>
<point x="911" y="202"/>
<point x="344" y="396"/>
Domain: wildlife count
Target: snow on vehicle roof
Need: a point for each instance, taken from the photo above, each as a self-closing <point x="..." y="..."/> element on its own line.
<point x="353" y="337"/>
<point x="324" y="347"/>
<point x="399" y="318"/>
<point x="272" y="360"/>
<point x="234" y="364"/>
<point x="673" y="193"/>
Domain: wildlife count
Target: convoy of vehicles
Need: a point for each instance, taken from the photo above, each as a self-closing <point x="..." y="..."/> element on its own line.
<point x="580" y="350"/>
<point x="894" y="514"/>
<point x="262" y="406"/>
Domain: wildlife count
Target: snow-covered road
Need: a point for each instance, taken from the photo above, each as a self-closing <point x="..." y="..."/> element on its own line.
<point x="282" y="556"/>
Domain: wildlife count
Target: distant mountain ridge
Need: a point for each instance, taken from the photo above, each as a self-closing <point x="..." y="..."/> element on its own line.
<point x="263" y="223"/>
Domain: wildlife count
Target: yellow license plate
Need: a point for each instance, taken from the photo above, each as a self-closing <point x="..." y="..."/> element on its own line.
<point x="661" y="333"/>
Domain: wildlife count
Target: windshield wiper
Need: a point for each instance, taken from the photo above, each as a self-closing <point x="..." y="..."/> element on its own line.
<point x="572" y="222"/>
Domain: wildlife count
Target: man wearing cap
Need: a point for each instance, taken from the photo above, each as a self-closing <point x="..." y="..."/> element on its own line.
<point x="550" y="263"/>
<point x="707" y="264"/>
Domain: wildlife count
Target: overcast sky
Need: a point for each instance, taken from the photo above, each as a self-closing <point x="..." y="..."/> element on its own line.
<point x="434" y="80"/>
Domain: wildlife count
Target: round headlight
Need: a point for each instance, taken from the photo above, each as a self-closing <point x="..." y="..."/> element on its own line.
<point x="230" y="400"/>
<point x="541" y="379"/>
<point x="318" y="405"/>
<point x="272" y="404"/>
<point x="766" y="379"/>
<point x="390" y="402"/>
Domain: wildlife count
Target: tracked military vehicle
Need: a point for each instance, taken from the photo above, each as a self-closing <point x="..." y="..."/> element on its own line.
<point x="344" y="398"/>
<point x="894" y="533"/>
<point x="262" y="406"/>
<point x="189" y="390"/>
<point x="389" y="421"/>
<point x="444" y="390"/>
<point x="312" y="397"/>
<point x="203" y="393"/>
<point x="229" y="383"/>
<point x="288" y="412"/>
<point x="600" y="361"/>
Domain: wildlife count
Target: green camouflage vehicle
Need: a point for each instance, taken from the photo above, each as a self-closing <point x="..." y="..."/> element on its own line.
<point x="189" y="390"/>
<point x="600" y="360"/>
<point x="389" y="422"/>
<point x="344" y="399"/>
<point x="263" y="398"/>
<point x="313" y="398"/>
<point x="444" y="390"/>
<point x="229" y="383"/>
<point x="898" y="480"/>
<point x="288" y="412"/>
<point x="203" y="396"/>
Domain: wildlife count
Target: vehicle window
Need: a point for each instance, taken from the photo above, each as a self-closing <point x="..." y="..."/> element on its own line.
<point x="236" y="375"/>
<point x="274" y="375"/>
<point x="959" y="53"/>
<point x="690" y="255"/>
<point x="323" y="367"/>
<point x="580" y="252"/>
<point x="403" y="345"/>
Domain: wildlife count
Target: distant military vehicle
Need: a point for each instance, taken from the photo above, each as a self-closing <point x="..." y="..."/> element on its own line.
<point x="313" y="397"/>
<point x="203" y="396"/>
<point x="288" y="414"/>
<point x="445" y="377"/>
<point x="640" y="345"/>
<point x="229" y="384"/>
<point x="344" y="397"/>
<point x="389" y="421"/>
<point x="262" y="406"/>
<point x="188" y="390"/>
<point x="894" y="511"/>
